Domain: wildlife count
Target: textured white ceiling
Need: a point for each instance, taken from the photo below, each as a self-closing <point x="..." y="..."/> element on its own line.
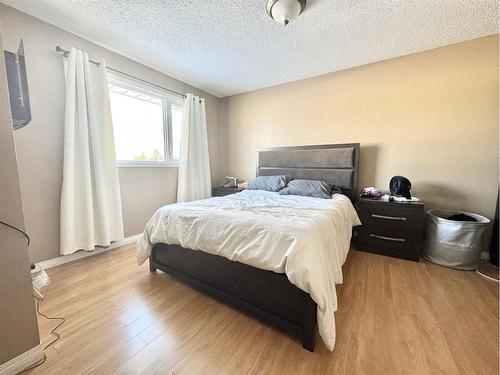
<point x="232" y="46"/>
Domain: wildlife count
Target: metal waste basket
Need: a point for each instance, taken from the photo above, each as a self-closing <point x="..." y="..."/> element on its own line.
<point x="452" y="243"/>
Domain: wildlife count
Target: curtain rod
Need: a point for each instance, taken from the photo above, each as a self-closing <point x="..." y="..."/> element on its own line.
<point x="66" y="53"/>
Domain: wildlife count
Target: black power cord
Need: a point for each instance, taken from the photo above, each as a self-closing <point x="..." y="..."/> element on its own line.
<point x="19" y="230"/>
<point x="53" y="331"/>
<point x="42" y="361"/>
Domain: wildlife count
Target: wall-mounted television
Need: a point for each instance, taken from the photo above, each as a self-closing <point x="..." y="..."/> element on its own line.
<point x="18" y="87"/>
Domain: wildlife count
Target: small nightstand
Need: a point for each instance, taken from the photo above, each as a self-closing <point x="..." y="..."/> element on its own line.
<point x="391" y="228"/>
<point x="220" y="191"/>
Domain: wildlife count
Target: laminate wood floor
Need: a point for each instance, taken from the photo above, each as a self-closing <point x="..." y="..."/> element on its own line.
<point x="394" y="317"/>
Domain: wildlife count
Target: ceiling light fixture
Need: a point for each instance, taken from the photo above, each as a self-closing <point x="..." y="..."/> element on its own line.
<point x="284" y="11"/>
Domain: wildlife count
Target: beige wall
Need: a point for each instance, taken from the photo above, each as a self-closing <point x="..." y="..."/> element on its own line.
<point x="18" y="326"/>
<point x="40" y="144"/>
<point x="431" y="116"/>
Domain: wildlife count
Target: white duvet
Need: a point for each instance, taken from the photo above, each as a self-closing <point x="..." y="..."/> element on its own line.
<point x="306" y="238"/>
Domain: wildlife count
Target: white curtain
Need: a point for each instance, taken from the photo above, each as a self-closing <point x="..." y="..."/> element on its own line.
<point x="194" y="165"/>
<point x="91" y="211"/>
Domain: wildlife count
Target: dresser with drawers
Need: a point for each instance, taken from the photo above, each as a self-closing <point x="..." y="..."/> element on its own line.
<point x="391" y="228"/>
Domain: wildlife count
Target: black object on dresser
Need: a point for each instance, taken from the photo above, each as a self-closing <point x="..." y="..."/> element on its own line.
<point x="221" y="191"/>
<point x="391" y="228"/>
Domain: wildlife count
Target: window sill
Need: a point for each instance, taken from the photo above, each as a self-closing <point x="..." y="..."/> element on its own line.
<point x="148" y="164"/>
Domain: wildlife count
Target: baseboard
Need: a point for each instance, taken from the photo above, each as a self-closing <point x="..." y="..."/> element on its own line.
<point x="22" y="361"/>
<point x="83" y="254"/>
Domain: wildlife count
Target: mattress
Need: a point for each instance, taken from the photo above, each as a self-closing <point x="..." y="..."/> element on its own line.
<point x="306" y="238"/>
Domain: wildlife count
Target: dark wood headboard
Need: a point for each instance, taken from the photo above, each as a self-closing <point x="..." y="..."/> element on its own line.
<point x="335" y="164"/>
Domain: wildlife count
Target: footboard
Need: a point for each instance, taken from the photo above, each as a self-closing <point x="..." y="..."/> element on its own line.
<point x="266" y="295"/>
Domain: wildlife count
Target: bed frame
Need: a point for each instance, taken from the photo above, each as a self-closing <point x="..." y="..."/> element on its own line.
<point x="266" y="295"/>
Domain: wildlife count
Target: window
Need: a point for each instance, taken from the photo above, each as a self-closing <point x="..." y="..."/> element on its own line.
<point x="147" y="123"/>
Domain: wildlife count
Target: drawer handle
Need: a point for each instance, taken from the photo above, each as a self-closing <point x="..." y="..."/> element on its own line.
<point x="401" y="218"/>
<point x="388" y="238"/>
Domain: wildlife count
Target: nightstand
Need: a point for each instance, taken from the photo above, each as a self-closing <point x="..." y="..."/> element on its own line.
<point x="391" y="228"/>
<point x="220" y="191"/>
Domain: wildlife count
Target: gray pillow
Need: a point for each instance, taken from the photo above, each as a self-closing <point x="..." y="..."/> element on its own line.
<point x="268" y="183"/>
<point x="308" y="188"/>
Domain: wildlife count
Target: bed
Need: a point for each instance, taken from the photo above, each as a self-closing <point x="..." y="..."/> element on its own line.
<point x="264" y="253"/>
